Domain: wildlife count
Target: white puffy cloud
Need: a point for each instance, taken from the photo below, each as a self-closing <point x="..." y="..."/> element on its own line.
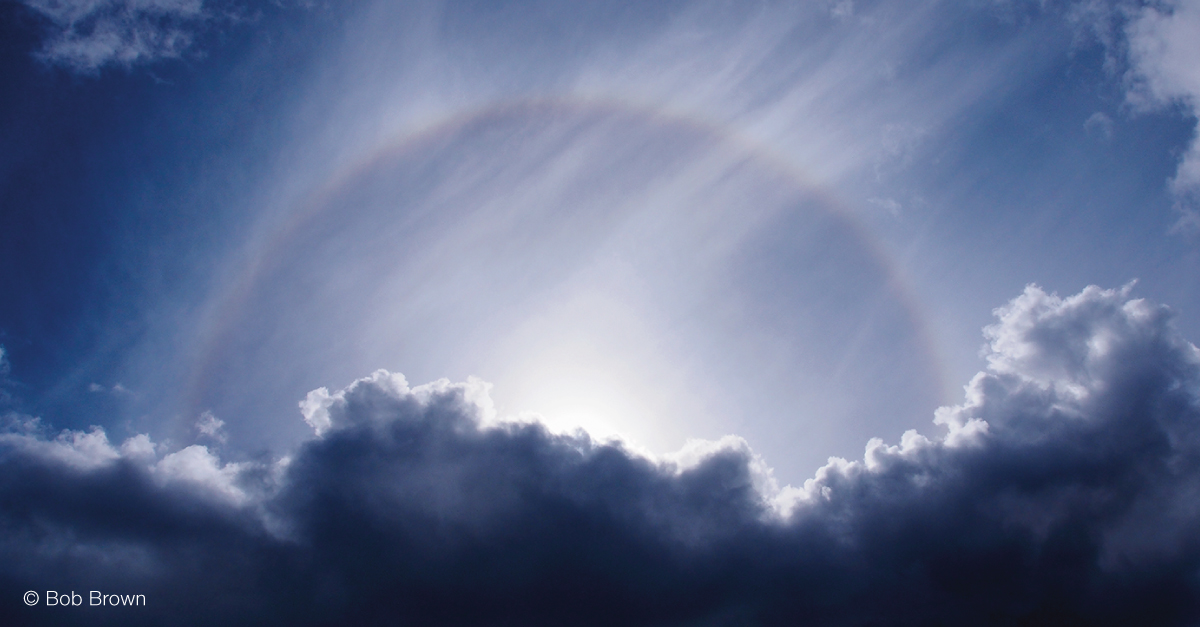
<point x="209" y="426"/>
<point x="363" y="400"/>
<point x="91" y="450"/>
<point x="89" y="34"/>
<point x="78" y="449"/>
<point x="196" y="466"/>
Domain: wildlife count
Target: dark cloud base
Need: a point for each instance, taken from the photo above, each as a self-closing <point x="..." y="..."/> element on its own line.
<point x="1065" y="492"/>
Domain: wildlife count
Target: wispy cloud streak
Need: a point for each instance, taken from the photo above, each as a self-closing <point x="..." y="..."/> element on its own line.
<point x="89" y="34"/>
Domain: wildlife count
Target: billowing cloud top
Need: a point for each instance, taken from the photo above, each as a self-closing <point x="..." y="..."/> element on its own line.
<point x="1062" y="491"/>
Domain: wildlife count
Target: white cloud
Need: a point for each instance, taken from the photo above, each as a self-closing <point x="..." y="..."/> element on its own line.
<point x="116" y="390"/>
<point x="373" y="398"/>
<point x="84" y="450"/>
<point x="842" y="9"/>
<point x="1164" y="55"/>
<point x="891" y="205"/>
<point x="210" y="426"/>
<point x="315" y="409"/>
<point x="91" y="451"/>
<point x="139" y="447"/>
<point x="89" y="34"/>
<point x="1100" y="124"/>
<point x="197" y="466"/>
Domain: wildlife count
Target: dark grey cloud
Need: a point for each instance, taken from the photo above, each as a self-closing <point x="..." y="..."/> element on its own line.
<point x="1062" y="491"/>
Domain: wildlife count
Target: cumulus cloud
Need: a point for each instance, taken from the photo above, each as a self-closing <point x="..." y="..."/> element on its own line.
<point x="89" y="34"/>
<point x="1063" y="490"/>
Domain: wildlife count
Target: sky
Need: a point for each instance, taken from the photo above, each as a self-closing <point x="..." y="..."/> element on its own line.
<point x="832" y="312"/>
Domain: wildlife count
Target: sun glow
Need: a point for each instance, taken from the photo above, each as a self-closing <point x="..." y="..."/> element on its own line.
<point x="592" y="362"/>
<point x="569" y="397"/>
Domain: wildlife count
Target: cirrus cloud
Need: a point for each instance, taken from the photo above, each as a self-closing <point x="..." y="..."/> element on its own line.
<point x="89" y="34"/>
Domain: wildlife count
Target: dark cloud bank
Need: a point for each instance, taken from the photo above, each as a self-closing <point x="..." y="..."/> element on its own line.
<point x="1065" y="491"/>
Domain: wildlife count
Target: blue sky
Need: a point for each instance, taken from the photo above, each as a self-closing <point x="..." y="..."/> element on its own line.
<point x="764" y="234"/>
